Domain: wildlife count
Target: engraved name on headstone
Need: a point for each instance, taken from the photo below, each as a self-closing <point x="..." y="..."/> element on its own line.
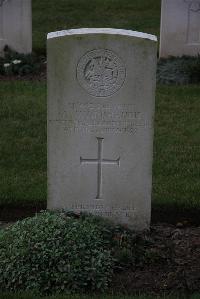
<point x="180" y="28"/>
<point x="101" y="85"/>
<point x="16" y="25"/>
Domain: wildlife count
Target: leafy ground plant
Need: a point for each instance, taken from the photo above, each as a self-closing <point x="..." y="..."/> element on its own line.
<point x="179" y="70"/>
<point x="15" y="64"/>
<point x="29" y="296"/>
<point x="54" y="252"/>
<point x="60" y="251"/>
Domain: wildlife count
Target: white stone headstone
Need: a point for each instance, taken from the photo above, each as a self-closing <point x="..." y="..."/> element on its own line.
<point x="16" y="25"/>
<point x="101" y="85"/>
<point x="180" y="28"/>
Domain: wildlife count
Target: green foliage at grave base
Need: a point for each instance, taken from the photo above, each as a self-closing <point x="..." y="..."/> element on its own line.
<point x="179" y="70"/>
<point x="32" y="296"/>
<point x="15" y="64"/>
<point x="55" y="252"/>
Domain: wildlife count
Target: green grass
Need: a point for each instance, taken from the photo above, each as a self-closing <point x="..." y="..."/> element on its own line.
<point x="29" y="296"/>
<point x="51" y="15"/>
<point x="176" y="177"/>
<point x="22" y="142"/>
<point x="23" y="110"/>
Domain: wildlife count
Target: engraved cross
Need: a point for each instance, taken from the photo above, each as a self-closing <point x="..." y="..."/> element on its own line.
<point x="100" y="162"/>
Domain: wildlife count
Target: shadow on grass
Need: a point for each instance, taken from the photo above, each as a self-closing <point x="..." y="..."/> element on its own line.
<point x="163" y="213"/>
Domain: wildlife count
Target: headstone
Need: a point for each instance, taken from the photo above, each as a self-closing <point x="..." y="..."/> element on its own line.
<point x="16" y="25"/>
<point x="1" y="27"/>
<point x="180" y="28"/>
<point x="101" y="85"/>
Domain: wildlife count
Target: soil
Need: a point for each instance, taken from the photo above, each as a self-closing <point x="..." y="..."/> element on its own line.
<point x="172" y="264"/>
<point x="167" y="214"/>
<point x="12" y="213"/>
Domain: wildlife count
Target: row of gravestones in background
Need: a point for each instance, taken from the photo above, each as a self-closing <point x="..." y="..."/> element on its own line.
<point x="180" y="27"/>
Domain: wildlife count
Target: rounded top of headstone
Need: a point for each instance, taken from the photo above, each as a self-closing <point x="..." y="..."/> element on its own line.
<point x="102" y="31"/>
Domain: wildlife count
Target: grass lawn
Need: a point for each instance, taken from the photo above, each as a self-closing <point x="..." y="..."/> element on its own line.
<point x="50" y="15"/>
<point x="176" y="178"/>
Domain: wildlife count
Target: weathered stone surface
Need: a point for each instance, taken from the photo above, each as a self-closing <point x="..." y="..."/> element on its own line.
<point x="180" y="28"/>
<point x="16" y="25"/>
<point x="101" y="85"/>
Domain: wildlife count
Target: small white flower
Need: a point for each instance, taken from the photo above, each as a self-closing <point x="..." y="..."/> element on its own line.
<point x="16" y="61"/>
<point x="6" y="65"/>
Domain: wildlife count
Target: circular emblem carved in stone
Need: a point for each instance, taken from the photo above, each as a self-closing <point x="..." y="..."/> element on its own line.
<point x="101" y="72"/>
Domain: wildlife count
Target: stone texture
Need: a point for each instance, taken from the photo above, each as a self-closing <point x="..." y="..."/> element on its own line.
<point x="101" y="85"/>
<point x="16" y="25"/>
<point x="180" y="28"/>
